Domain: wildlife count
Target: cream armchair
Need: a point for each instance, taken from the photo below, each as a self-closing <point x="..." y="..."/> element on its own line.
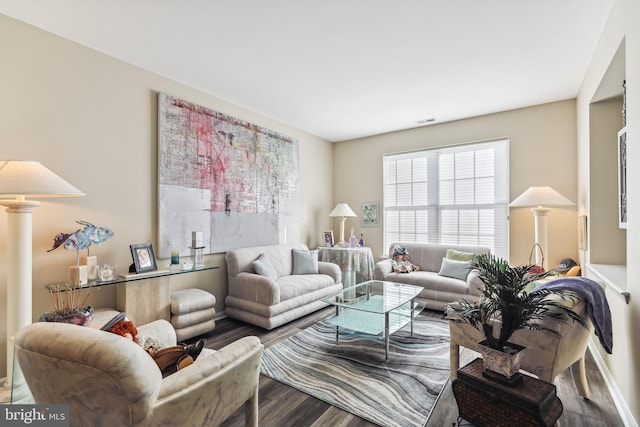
<point x="548" y="352"/>
<point x="110" y="381"/>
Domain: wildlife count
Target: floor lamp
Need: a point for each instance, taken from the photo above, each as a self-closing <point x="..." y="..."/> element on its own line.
<point x="22" y="179"/>
<point x="343" y="211"/>
<point x="540" y="198"/>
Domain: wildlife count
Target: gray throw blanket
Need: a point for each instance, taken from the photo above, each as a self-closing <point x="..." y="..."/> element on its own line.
<point x="597" y="304"/>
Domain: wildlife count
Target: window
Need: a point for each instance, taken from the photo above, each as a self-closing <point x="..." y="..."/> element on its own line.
<point x="450" y="195"/>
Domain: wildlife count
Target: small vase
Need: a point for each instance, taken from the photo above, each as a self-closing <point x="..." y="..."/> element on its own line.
<point x="81" y="318"/>
<point x="505" y="363"/>
<point x="353" y="242"/>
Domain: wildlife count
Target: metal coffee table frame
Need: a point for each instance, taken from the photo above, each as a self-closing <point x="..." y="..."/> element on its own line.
<point x="374" y="310"/>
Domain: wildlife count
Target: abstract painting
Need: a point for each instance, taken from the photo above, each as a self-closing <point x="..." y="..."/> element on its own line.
<point x="234" y="181"/>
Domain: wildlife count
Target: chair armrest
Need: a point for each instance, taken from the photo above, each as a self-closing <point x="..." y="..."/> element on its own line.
<point x="211" y="389"/>
<point x="161" y="330"/>
<point x="253" y="287"/>
<point x="382" y="268"/>
<point x="235" y="367"/>
<point x="330" y="269"/>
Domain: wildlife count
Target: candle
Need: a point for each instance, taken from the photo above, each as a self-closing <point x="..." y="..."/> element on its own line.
<point x="175" y="257"/>
<point x="196" y="239"/>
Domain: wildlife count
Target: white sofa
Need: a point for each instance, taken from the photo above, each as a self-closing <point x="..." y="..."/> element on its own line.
<point x="271" y="302"/>
<point x="438" y="290"/>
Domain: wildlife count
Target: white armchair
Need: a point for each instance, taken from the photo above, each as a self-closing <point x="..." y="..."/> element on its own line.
<point x="548" y="352"/>
<point x="110" y="381"/>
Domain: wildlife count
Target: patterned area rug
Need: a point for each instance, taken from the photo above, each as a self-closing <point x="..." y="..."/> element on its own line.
<point x="355" y="377"/>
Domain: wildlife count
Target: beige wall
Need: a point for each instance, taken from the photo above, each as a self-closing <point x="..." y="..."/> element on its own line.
<point x="93" y="120"/>
<point x="622" y="27"/>
<point x="542" y="151"/>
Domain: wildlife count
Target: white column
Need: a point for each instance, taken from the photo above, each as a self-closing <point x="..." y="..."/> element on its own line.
<point x="540" y="215"/>
<point x="19" y="267"/>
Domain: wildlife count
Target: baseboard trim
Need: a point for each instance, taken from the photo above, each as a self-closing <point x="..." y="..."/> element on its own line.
<point x="616" y="395"/>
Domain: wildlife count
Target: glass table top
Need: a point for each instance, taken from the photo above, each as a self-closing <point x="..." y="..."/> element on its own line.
<point x="374" y="296"/>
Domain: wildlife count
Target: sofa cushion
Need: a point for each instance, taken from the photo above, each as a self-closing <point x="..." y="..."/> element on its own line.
<point x="295" y="286"/>
<point x="263" y="267"/>
<point x="460" y="255"/>
<point x="455" y="269"/>
<point x="305" y="261"/>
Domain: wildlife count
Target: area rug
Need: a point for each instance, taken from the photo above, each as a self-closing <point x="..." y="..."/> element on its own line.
<point x="355" y="377"/>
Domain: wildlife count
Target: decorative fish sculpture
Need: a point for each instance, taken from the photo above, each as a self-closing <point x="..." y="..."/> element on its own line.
<point x="82" y="238"/>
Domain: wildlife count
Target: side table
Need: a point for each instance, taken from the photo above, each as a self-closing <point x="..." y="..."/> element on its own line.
<point x="484" y="402"/>
<point x="357" y="264"/>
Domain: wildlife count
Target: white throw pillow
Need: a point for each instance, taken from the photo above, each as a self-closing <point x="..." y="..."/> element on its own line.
<point x="455" y="269"/>
<point x="262" y="265"/>
<point x="304" y="261"/>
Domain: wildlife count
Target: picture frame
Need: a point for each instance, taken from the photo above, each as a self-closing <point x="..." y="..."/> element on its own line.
<point x="622" y="178"/>
<point x="327" y="238"/>
<point x="370" y="214"/>
<point x="143" y="258"/>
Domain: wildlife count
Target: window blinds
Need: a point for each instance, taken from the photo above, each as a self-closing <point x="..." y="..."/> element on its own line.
<point x="450" y="195"/>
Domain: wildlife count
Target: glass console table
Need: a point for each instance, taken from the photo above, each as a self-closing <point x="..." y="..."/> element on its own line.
<point x="144" y="297"/>
<point x="374" y="310"/>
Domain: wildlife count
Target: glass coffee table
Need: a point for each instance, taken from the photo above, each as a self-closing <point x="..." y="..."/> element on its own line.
<point x="374" y="310"/>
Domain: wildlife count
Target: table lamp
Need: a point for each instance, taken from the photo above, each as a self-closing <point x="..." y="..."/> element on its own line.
<point x="22" y="179"/>
<point x="343" y="211"/>
<point x="540" y="198"/>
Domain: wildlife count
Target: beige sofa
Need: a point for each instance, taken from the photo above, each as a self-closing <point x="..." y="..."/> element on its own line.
<point x="438" y="290"/>
<point x="108" y="380"/>
<point x="270" y="302"/>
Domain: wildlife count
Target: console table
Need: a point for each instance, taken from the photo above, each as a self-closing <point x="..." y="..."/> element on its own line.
<point x="144" y="297"/>
<point x="357" y="264"/>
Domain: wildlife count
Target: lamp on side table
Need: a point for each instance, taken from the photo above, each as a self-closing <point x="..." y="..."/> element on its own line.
<point x="343" y="211"/>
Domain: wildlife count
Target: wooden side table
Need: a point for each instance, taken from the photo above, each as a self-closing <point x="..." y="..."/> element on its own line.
<point x="484" y="402"/>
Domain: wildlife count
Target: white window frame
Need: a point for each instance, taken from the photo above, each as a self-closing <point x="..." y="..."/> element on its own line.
<point x="414" y="209"/>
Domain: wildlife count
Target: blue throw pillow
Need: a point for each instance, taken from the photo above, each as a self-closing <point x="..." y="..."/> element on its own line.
<point x="263" y="267"/>
<point x="455" y="269"/>
<point x="305" y="261"/>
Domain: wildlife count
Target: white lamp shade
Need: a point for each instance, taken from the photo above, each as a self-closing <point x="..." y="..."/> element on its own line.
<point x="32" y="179"/>
<point x="342" y="209"/>
<point x="540" y="196"/>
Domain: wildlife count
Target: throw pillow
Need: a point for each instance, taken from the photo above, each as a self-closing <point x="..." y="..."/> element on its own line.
<point x="455" y="269"/>
<point x="262" y="265"/>
<point x="459" y="255"/>
<point x="305" y="262"/>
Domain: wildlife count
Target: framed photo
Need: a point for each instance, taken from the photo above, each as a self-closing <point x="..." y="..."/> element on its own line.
<point x="327" y="238"/>
<point x="622" y="178"/>
<point x="143" y="258"/>
<point x="370" y="214"/>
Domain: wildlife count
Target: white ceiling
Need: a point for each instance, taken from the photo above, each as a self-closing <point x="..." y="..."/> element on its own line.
<point x="343" y="69"/>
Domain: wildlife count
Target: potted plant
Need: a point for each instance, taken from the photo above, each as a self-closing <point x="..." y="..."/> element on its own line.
<point x="506" y="306"/>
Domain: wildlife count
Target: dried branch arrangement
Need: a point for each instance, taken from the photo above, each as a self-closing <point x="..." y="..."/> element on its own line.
<point x="68" y="300"/>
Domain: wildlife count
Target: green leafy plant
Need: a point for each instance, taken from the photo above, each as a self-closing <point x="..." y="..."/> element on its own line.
<point x="505" y="299"/>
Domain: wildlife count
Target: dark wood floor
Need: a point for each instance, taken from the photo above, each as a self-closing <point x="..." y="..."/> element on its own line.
<point x="281" y="405"/>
